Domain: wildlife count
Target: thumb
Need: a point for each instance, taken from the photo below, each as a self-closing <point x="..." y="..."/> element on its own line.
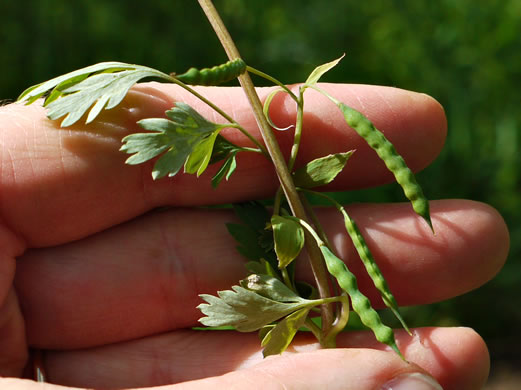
<point x="346" y="369"/>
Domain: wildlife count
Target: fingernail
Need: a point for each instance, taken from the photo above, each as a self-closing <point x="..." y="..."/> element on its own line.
<point x="412" y="381"/>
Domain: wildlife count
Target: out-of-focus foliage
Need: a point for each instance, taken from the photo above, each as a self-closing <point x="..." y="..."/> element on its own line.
<point x="466" y="54"/>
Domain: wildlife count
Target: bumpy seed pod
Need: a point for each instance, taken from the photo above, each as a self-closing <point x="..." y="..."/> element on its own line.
<point x="360" y="303"/>
<point x="394" y="162"/>
<point x="370" y="265"/>
<point x="214" y="76"/>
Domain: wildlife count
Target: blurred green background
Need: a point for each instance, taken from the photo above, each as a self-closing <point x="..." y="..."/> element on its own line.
<point x="466" y="54"/>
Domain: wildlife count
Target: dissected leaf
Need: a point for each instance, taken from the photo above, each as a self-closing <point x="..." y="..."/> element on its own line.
<point x="255" y="242"/>
<point x="288" y="236"/>
<point x="321" y="171"/>
<point x="96" y="87"/>
<point x="319" y="71"/>
<point x="279" y="337"/>
<point x="186" y="138"/>
<point x="245" y="310"/>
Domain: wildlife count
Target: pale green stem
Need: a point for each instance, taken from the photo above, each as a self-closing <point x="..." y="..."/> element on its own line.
<point x="273" y="80"/>
<point x="340" y="322"/>
<point x="287" y="279"/>
<point x="298" y="130"/>
<point x="313" y="328"/>
<point x="320" y="230"/>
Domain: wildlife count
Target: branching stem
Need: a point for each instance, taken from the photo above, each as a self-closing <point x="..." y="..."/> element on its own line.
<point x="315" y="257"/>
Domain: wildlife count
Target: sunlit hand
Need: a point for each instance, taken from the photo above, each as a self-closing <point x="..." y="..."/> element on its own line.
<point x="107" y="284"/>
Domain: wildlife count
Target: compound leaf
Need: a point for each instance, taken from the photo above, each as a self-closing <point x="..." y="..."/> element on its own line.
<point x="96" y="87"/>
<point x="186" y="138"/>
<point x="245" y="310"/>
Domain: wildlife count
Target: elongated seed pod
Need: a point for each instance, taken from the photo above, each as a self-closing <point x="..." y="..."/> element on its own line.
<point x="214" y="76"/>
<point x="360" y="303"/>
<point x="372" y="268"/>
<point x="394" y="162"/>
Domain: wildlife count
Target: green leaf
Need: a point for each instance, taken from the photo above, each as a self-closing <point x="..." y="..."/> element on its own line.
<point x="223" y="149"/>
<point x="225" y="171"/>
<point x="255" y="267"/>
<point x="321" y="171"/>
<point x="145" y="145"/>
<point x="279" y="337"/>
<point x="200" y="156"/>
<point x="319" y="71"/>
<point x="288" y="236"/>
<point x="186" y="138"/>
<point x="96" y="87"/>
<point x="265" y="330"/>
<point x="245" y="310"/>
<point x="270" y="287"/>
<point x="252" y="214"/>
<point x="248" y="240"/>
<point x="262" y="267"/>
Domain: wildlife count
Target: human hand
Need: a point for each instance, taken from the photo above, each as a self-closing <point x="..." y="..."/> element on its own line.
<point x="108" y="286"/>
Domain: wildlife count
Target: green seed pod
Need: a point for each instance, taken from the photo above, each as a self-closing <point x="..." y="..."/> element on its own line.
<point x="214" y="76"/>
<point x="360" y="303"/>
<point x="372" y="268"/>
<point x="393" y="161"/>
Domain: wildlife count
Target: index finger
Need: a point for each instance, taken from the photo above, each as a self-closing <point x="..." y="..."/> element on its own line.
<point x="59" y="185"/>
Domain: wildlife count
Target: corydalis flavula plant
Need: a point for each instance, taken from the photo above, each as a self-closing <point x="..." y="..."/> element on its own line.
<point x="269" y="299"/>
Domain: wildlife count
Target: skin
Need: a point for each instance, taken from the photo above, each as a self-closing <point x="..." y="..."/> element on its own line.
<point x="103" y="281"/>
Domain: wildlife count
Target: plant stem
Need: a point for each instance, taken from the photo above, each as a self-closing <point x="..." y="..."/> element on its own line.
<point x="273" y="80"/>
<point x="298" y="129"/>
<point x="315" y="256"/>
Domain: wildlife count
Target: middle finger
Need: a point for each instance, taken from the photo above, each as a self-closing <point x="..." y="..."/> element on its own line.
<point x="143" y="277"/>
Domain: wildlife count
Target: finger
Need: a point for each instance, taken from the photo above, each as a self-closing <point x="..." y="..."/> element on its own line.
<point x="62" y="184"/>
<point x="147" y="274"/>
<point x="456" y="357"/>
<point x="13" y="345"/>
